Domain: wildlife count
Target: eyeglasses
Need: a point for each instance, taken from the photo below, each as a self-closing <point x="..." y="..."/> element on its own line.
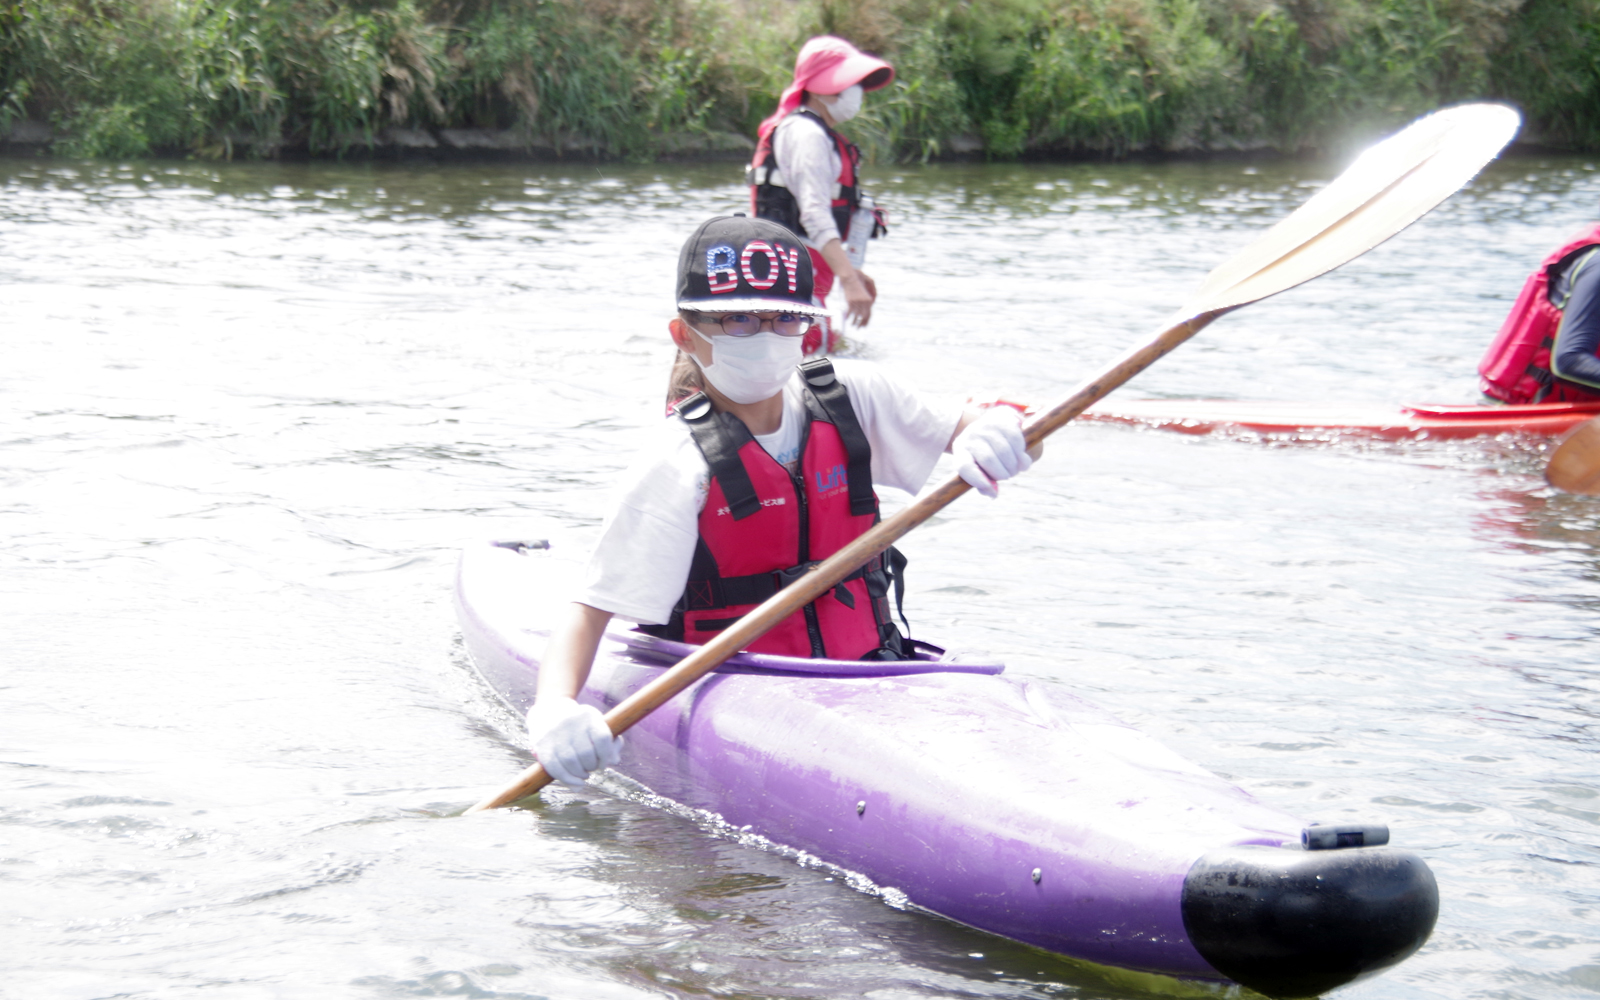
<point x="750" y="324"/>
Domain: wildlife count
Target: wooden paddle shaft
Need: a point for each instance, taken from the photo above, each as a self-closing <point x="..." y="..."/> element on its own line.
<point x="823" y="577"/>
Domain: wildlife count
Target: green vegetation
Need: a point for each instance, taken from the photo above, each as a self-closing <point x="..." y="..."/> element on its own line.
<point x="634" y="78"/>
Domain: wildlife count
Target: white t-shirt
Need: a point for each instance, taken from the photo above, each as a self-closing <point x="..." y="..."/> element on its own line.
<point x="641" y="562"/>
<point x="811" y="166"/>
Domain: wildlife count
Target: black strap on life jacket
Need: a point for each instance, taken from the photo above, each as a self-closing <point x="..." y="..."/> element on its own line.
<point x="1561" y="275"/>
<point x="777" y="202"/>
<point x="835" y="400"/>
<point x="719" y="437"/>
<point x="897" y="570"/>
<point x="1544" y="376"/>
<point x="707" y="590"/>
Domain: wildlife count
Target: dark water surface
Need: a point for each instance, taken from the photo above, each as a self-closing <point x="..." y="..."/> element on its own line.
<point x="250" y="412"/>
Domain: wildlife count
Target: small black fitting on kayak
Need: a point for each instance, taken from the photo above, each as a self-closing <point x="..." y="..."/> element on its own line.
<point x="1332" y="837"/>
<point x="1290" y="923"/>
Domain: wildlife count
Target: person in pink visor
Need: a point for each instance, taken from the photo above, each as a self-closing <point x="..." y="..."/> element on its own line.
<point x="804" y="174"/>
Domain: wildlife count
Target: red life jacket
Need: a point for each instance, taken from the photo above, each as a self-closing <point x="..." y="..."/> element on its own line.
<point x="763" y="527"/>
<point x="771" y="199"/>
<point x="1516" y="368"/>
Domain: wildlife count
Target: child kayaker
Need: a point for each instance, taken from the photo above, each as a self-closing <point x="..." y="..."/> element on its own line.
<point x="765" y="468"/>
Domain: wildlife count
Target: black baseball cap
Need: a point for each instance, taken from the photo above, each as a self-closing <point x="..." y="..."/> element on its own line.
<point x="739" y="264"/>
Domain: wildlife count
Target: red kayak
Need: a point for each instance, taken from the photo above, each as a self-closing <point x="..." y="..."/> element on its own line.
<point x="1322" y="421"/>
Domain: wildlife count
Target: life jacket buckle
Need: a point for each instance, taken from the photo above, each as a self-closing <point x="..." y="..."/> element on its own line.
<point x="695" y="407"/>
<point x="784" y="577"/>
<point x="757" y="176"/>
<point x="818" y="372"/>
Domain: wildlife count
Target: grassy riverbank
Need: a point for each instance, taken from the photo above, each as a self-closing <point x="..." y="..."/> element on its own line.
<point x="633" y="78"/>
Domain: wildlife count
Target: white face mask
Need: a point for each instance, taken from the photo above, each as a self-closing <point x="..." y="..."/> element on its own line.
<point x="750" y="369"/>
<point x="847" y="104"/>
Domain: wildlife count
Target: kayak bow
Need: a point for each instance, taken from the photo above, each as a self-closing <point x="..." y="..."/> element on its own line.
<point x="1027" y="813"/>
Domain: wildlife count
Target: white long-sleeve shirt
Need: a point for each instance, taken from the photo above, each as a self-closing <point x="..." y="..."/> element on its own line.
<point x="811" y="166"/>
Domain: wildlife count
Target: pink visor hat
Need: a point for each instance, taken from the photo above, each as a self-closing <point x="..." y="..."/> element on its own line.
<point x="828" y="65"/>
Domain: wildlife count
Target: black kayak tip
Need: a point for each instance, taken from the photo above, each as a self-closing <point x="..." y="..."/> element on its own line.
<point x="1292" y="924"/>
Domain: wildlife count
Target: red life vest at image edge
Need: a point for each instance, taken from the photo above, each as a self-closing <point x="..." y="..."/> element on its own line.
<point x="784" y="529"/>
<point x="777" y="202"/>
<point x="1516" y="367"/>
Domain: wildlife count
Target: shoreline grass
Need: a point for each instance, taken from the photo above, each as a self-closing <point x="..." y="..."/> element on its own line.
<point x="638" y="79"/>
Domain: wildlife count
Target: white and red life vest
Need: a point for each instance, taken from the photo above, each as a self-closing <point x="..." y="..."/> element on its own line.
<point x="1516" y="368"/>
<point x="770" y="197"/>
<point x="763" y="527"/>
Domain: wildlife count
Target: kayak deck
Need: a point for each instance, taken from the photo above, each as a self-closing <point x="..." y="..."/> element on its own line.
<point x="1324" y="421"/>
<point x="926" y="660"/>
<point x="1032" y="814"/>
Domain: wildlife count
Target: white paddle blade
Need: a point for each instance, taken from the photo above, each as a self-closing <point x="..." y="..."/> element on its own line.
<point x="1432" y="159"/>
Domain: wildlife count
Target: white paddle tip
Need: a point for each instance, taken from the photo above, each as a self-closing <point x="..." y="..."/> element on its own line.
<point x="1391" y="185"/>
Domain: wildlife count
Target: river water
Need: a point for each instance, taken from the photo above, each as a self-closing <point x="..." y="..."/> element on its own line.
<point x="251" y="411"/>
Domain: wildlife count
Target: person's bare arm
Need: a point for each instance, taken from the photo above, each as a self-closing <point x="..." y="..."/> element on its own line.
<point x="968" y="415"/>
<point x="860" y="291"/>
<point x="571" y="739"/>
<point x="570" y="654"/>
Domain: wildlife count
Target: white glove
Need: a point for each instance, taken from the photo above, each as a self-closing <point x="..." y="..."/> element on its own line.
<point x="990" y="449"/>
<point x="572" y="741"/>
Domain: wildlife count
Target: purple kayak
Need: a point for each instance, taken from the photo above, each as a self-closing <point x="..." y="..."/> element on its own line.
<point x="1036" y="816"/>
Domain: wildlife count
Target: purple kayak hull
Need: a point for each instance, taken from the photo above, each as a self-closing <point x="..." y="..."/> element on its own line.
<point x="1037" y="816"/>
